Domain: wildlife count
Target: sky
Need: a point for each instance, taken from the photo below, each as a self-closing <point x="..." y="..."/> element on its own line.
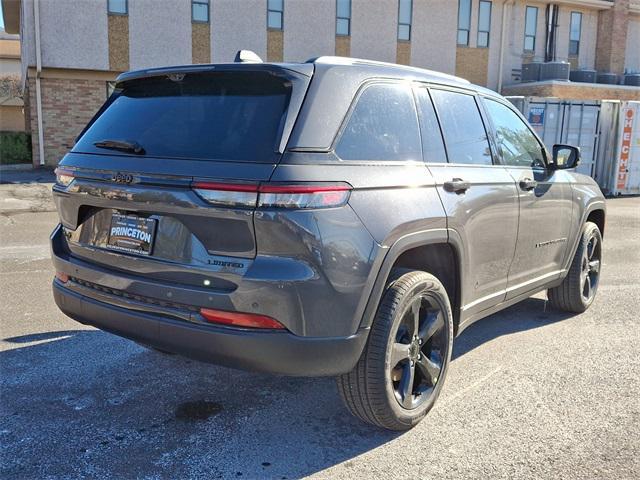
<point x="1" y="18"/>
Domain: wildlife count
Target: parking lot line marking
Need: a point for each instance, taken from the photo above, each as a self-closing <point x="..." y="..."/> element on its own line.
<point x="473" y="386"/>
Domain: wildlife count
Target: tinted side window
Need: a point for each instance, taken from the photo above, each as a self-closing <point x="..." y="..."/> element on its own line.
<point x="382" y="126"/>
<point x="462" y="126"/>
<point x="517" y="144"/>
<point x="432" y="144"/>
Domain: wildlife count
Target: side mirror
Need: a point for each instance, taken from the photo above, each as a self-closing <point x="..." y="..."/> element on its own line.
<point x="565" y="157"/>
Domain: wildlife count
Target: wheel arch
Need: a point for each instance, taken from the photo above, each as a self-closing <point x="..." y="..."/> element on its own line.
<point x="594" y="212"/>
<point x="430" y="251"/>
<point x="597" y="216"/>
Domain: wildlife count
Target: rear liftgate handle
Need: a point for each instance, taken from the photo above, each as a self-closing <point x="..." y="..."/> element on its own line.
<point x="457" y="185"/>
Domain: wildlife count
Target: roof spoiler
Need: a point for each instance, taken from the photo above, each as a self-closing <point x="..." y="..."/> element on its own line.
<point x="247" y="56"/>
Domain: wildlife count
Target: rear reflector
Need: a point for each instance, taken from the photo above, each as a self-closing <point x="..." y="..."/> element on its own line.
<point x="63" y="177"/>
<point x="63" y="277"/>
<point x="238" y="319"/>
<point x="273" y="195"/>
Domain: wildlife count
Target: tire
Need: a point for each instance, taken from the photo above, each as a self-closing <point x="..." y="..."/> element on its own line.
<point x="578" y="290"/>
<point x="375" y="391"/>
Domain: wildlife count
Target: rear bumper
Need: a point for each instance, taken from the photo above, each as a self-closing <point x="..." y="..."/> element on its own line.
<point x="265" y="351"/>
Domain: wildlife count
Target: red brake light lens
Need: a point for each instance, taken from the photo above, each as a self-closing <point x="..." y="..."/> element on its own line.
<point x="295" y="196"/>
<point x="227" y="194"/>
<point x="238" y="319"/>
<point x="303" y="196"/>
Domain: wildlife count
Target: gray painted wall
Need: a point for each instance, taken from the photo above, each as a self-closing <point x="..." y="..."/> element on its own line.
<point x="495" y="37"/>
<point x="27" y="41"/>
<point x="309" y="29"/>
<point x="159" y="33"/>
<point x="374" y="29"/>
<point x="238" y="25"/>
<point x="74" y="34"/>
<point x="434" y="48"/>
<point x="632" y="60"/>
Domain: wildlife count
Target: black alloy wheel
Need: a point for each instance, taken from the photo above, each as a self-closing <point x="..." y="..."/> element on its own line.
<point x="590" y="274"/>
<point x="418" y="352"/>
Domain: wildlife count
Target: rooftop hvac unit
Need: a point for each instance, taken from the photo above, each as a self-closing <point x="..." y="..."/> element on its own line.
<point x="632" y="79"/>
<point x="584" y="76"/>
<point x="531" y="72"/>
<point x="608" y="78"/>
<point x="554" y="71"/>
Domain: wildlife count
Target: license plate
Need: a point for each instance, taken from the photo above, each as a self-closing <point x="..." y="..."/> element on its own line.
<point x="129" y="233"/>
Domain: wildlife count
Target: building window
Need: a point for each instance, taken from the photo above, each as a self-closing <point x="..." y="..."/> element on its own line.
<point x="530" y="27"/>
<point x="464" y="21"/>
<point x="404" y="19"/>
<point x="574" y="33"/>
<point x="200" y="11"/>
<point x="117" y="7"/>
<point x="275" y="14"/>
<point x="343" y="17"/>
<point x="484" y="23"/>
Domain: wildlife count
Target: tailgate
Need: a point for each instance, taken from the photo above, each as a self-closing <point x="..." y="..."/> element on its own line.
<point x="135" y="210"/>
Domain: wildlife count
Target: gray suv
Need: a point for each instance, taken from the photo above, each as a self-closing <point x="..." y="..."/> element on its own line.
<point x="337" y="217"/>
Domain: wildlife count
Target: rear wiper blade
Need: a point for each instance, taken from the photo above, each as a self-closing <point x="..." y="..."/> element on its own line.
<point x="123" y="145"/>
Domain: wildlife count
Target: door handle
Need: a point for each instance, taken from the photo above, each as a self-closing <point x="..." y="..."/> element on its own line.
<point x="457" y="185"/>
<point x="528" y="184"/>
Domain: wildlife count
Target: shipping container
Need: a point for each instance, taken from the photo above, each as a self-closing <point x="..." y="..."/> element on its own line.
<point x="626" y="172"/>
<point x="607" y="132"/>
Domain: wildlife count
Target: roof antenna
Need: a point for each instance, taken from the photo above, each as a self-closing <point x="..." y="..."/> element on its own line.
<point x="247" y="56"/>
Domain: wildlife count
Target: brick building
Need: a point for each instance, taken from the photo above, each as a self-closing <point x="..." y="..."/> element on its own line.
<point x="73" y="49"/>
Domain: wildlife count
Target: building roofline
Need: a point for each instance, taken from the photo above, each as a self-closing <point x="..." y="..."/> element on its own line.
<point x="564" y="83"/>
<point x="598" y="4"/>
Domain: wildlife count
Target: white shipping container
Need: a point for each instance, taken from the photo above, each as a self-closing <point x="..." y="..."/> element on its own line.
<point x="570" y="122"/>
<point x="607" y="132"/>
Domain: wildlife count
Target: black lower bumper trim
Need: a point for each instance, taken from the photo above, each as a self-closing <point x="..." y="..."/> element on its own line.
<point x="273" y="352"/>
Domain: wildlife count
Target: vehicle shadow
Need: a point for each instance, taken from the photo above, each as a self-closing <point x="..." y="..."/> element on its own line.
<point x="85" y="403"/>
<point x="527" y="315"/>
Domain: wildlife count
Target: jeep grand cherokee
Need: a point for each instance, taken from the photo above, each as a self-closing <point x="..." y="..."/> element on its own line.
<point x="337" y="217"/>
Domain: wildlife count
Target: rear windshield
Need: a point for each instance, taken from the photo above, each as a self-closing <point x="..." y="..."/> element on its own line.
<point x="234" y="116"/>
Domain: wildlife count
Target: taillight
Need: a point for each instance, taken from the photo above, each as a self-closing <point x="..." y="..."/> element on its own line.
<point x="63" y="177"/>
<point x="227" y="194"/>
<point x="238" y="319"/>
<point x="273" y="195"/>
<point x="303" y="196"/>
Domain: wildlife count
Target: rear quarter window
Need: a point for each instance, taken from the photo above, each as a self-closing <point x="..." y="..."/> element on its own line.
<point x="382" y="126"/>
<point x="235" y="116"/>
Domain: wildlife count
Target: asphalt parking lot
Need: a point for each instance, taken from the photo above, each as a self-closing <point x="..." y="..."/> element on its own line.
<point x="531" y="392"/>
